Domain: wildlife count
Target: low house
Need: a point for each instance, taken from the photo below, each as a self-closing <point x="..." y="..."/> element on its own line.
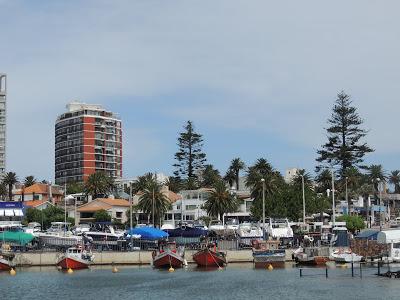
<point x="38" y="204"/>
<point x="116" y="208"/>
<point x="40" y="191"/>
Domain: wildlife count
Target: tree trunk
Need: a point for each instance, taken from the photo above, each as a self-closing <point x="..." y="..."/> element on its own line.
<point x="10" y="192"/>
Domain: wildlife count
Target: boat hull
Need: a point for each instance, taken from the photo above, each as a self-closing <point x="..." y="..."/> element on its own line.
<point x="263" y="259"/>
<point x="209" y="258"/>
<point x="167" y="260"/>
<point x="313" y="261"/>
<point x="5" y="265"/>
<point x="72" y="263"/>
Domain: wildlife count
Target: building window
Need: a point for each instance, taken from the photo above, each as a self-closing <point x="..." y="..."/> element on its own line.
<point x="118" y="214"/>
<point x="191" y="207"/>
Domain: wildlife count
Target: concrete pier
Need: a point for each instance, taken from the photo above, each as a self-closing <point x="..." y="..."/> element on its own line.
<point x="128" y="258"/>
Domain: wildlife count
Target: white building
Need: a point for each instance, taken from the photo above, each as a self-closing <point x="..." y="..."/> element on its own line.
<point x="3" y="111"/>
<point x="291" y="174"/>
<point x="191" y="206"/>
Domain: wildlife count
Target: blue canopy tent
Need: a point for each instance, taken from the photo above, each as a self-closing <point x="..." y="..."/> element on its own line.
<point x="148" y="233"/>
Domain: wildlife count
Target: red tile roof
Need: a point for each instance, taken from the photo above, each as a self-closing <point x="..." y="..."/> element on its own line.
<point x="39" y="188"/>
<point x="34" y="203"/>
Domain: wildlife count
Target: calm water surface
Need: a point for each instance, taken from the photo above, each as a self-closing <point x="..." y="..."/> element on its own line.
<point x="237" y="281"/>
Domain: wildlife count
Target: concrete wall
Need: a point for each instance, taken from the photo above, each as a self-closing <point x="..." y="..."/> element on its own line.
<point x="136" y="257"/>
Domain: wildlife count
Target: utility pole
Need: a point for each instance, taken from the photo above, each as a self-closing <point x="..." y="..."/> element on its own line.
<point x="153" y="210"/>
<point x="304" y="200"/>
<point x="333" y="199"/>
<point x="130" y="213"/>
<point x="263" y="204"/>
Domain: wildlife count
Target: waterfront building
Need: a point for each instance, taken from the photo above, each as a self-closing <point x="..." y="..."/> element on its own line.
<point x="88" y="139"/>
<point x="40" y="191"/>
<point x="190" y="206"/>
<point x="3" y="110"/>
<point x="11" y="211"/>
<point x="38" y="204"/>
<point x="122" y="185"/>
<point x="116" y="208"/>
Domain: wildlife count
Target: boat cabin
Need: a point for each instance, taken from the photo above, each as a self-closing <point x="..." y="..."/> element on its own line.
<point x="392" y="239"/>
<point x="266" y="245"/>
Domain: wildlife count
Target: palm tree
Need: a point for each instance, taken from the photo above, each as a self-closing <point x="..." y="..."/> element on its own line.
<point x="9" y="179"/>
<point x="153" y="200"/>
<point x="394" y="179"/>
<point x="3" y="191"/>
<point x="272" y="180"/>
<point x="324" y="181"/>
<point x="353" y="178"/>
<point x="297" y="180"/>
<point x="174" y="184"/>
<point x="230" y="177"/>
<point x="376" y="173"/>
<point x="220" y="201"/>
<point x="209" y="176"/>
<point x="99" y="184"/>
<point x="236" y="165"/>
<point x="29" y="181"/>
<point x="141" y="183"/>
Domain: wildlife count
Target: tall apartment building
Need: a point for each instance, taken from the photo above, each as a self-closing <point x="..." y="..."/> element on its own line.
<point x="3" y="96"/>
<point x="87" y="139"/>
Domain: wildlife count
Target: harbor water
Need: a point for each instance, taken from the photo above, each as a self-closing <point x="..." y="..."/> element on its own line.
<point x="237" y="281"/>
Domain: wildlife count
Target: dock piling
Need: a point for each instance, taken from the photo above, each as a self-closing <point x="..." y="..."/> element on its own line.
<point x="326" y="272"/>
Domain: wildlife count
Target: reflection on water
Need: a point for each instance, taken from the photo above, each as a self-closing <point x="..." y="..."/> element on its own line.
<point x="236" y="281"/>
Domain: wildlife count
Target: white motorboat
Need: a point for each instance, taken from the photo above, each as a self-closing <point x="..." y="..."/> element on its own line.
<point x="217" y="227"/>
<point x="59" y="235"/>
<point x="33" y="228"/>
<point x="104" y="234"/>
<point x="231" y="226"/>
<point x="279" y="229"/>
<point x="345" y="256"/>
<point x="250" y="231"/>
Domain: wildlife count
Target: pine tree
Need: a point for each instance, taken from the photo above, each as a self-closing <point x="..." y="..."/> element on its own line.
<point x="190" y="158"/>
<point x="344" y="148"/>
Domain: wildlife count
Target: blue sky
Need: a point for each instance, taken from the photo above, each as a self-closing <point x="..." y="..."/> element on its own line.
<point x="257" y="78"/>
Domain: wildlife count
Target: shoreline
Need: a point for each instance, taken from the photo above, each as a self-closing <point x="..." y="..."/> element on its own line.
<point x="38" y="259"/>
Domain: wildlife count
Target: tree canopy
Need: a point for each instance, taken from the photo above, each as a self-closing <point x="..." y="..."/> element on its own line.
<point x="99" y="184"/>
<point x="220" y="201"/>
<point x="190" y="158"/>
<point x="344" y="148"/>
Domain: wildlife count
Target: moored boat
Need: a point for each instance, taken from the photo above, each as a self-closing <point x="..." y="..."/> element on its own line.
<point x="310" y="256"/>
<point x="345" y="256"/>
<point x="209" y="256"/>
<point x="75" y="258"/>
<point x="168" y="256"/>
<point x="6" y="258"/>
<point x="267" y="253"/>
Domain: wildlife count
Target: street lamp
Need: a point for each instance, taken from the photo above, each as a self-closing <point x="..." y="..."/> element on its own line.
<point x="130" y="214"/>
<point x="304" y="200"/>
<point x="69" y="198"/>
<point x="263" y="206"/>
<point x="333" y="199"/>
<point x="347" y="200"/>
<point x="380" y="199"/>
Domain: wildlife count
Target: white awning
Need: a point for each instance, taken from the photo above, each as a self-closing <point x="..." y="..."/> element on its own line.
<point x="9" y="212"/>
<point x="1" y="212"/>
<point x="18" y="213"/>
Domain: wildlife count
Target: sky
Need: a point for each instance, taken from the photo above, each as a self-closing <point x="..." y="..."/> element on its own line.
<point x="257" y="78"/>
